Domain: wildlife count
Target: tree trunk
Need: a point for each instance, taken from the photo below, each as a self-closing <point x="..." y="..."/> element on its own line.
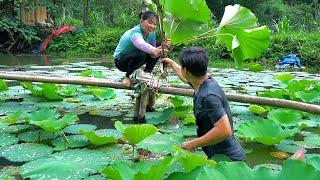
<point x="109" y="16"/>
<point x="166" y="90"/>
<point x="63" y="15"/>
<point x="86" y="13"/>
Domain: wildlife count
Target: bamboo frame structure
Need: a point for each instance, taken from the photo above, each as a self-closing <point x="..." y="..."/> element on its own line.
<point x="311" y="108"/>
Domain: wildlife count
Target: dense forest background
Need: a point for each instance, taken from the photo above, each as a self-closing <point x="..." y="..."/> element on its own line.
<point x="295" y="25"/>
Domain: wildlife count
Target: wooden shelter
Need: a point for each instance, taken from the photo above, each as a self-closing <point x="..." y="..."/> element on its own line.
<point x="33" y="17"/>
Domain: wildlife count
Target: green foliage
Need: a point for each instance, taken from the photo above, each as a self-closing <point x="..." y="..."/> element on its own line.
<point x="3" y="85"/>
<point x="255" y="67"/>
<point x="303" y="43"/>
<point x="239" y="31"/>
<point x="286" y="117"/>
<point x="72" y="164"/>
<point x="266" y="132"/>
<point x="257" y="109"/>
<point x="159" y="117"/>
<point x="25" y="152"/>
<point x="98" y="139"/>
<point x="103" y="93"/>
<point x="137" y="133"/>
<point x="7" y="139"/>
<point x="14" y="117"/>
<point x="92" y="42"/>
<point x="284" y="77"/>
<point x="52" y="124"/>
<point x="186" y="21"/>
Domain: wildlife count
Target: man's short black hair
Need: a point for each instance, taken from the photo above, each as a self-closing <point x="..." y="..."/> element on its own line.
<point x="195" y="60"/>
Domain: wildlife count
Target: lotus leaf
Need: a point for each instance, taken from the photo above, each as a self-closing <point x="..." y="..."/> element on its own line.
<point x="182" y="111"/>
<point x="176" y="101"/>
<point x="284" y="77"/>
<point x="186" y="21"/>
<point x="14" y="117"/>
<point x="310" y="97"/>
<point x="75" y="128"/>
<point x="286" y="117"/>
<point x="159" y="117"/>
<point x="190" y="160"/>
<point x="74" y="141"/>
<point x="161" y="143"/>
<point x="43" y="114"/>
<point x="34" y="89"/>
<point x="25" y="152"/>
<point x="50" y="91"/>
<point x="189" y="119"/>
<point x="288" y="146"/>
<point x="36" y="136"/>
<point x="96" y="139"/>
<point x="103" y="94"/>
<point x="266" y="132"/>
<point x="119" y="126"/>
<point x="300" y="85"/>
<point x="18" y="128"/>
<point x="69" y="164"/>
<point x="238" y="30"/>
<point x="7" y="139"/>
<point x="313" y="140"/>
<point x="255" y="67"/>
<point x="257" y="109"/>
<point x="67" y="90"/>
<point x="53" y="125"/>
<point x="137" y="133"/>
<point x="3" y="85"/>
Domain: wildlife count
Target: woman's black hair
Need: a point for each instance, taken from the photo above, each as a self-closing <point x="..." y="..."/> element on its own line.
<point x="195" y="60"/>
<point x="147" y="15"/>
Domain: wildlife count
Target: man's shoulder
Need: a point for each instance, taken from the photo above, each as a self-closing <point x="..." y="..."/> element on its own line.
<point x="211" y="88"/>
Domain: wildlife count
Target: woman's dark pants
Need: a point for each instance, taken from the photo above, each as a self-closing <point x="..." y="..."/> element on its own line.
<point x="135" y="60"/>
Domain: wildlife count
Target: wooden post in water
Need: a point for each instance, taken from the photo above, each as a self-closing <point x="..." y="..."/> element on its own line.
<point x="144" y="98"/>
<point x="152" y="100"/>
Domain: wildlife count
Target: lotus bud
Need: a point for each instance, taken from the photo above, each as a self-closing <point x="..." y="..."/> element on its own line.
<point x="298" y="155"/>
<point x="147" y="2"/>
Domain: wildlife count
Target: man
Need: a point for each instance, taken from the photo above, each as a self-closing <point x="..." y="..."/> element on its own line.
<point x="211" y="108"/>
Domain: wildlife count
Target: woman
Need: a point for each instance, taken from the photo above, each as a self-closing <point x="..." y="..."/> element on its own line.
<point x="137" y="47"/>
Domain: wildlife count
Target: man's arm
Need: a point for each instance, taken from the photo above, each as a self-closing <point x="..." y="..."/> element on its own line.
<point x="218" y="133"/>
<point x="175" y="67"/>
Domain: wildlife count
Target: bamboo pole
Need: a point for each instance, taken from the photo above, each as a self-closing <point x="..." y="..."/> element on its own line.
<point x="166" y="90"/>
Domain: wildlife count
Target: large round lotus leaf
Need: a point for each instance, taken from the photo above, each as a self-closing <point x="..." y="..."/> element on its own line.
<point x="72" y="141"/>
<point x="313" y="140"/>
<point x="188" y="130"/>
<point x="295" y="169"/>
<point x="264" y="131"/>
<point x="257" y="109"/>
<point x="245" y="39"/>
<point x="53" y="125"/>
<point x="186" y="21"/>
<point x="161" y="143"/>
<point x="18" y="128"/>
<point x="284" y="77"/>
<point x="14" y="117"/>
<point x="314" y="161"/>
<point x="309" y="97"/>
<point x="98" y="139"/>
<point x="136" y="133"/>
<point x="286" y="117"/>
<point x="105" y="113"/>
<point x="288" y="146"/>
<point x="7" y="139"/>
<point x="25" y="152"/>
<point x="75" y="128"/>
<point x="36" y="136"/>
<point x="44" y="114"/>
<point x="103" y="93"/>
<point x="109" y="132"/>
<point x="159" y="117"/>
<point x="117" y="152"/>
<point x="3" y="126"/>
<point x="69" y="164"/>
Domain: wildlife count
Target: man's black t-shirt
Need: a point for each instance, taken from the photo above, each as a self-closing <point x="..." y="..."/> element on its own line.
<point x="210" y="104"/>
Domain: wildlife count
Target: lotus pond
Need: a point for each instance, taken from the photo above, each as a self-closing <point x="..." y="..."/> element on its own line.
<point x="54" y="131"/>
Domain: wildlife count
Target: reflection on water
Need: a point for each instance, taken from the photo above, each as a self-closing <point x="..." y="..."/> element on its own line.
<point x="13" y="60"/>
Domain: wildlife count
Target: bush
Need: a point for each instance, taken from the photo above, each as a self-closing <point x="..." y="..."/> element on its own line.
<point x="305" y="44"/>
<point x="89" y="43"/>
